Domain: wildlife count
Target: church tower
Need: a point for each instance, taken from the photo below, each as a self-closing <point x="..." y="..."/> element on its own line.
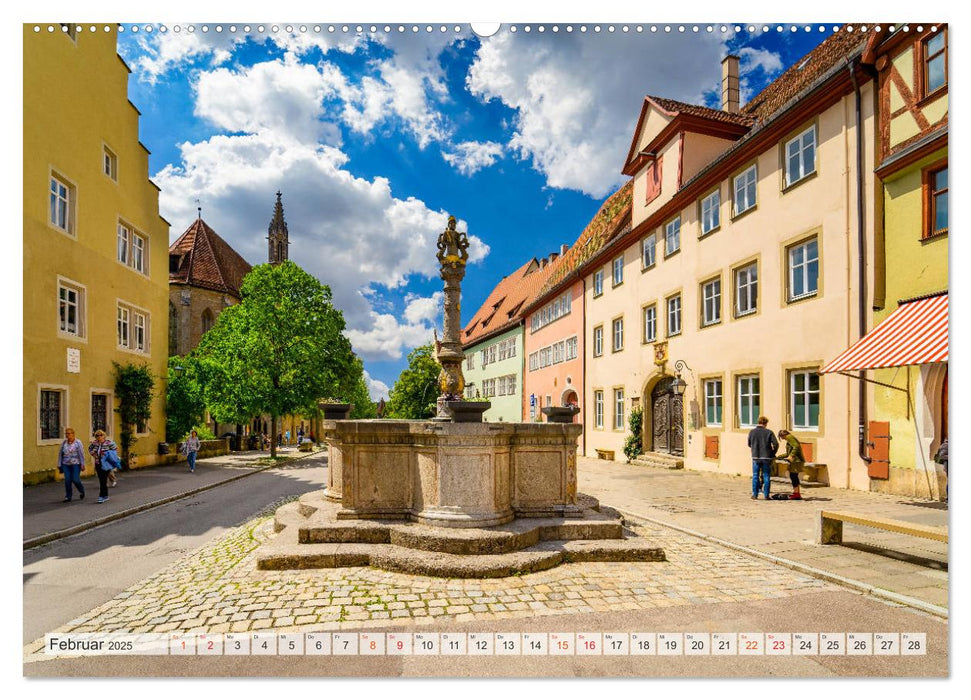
<point x="279" y="240"/>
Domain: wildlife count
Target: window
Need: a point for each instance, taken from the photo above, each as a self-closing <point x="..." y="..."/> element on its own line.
<point x="598" y="282"/>
<point x="492" y="354"/>
<point x="804" y="400"/>
<point x="935" y="62"/>
<point x="672" y="236"/>
<point x="648" y="252"/>
<point x="617" y="332"/>
<point x="653" y="177"/>
<point x="713" y="402"/>
<point x="744" y="188"/>
<point x="598" y="341"/>
<point x="503" y="352"/>
<point x="803" y="270"/>
<point x="99" y="413"/>
<point x="710" y="219"/>
<point x="511" y="347"/>
<point x="52" y="405"/>
<point x="133" y="329"/>
<point x="747" y="389"/>
<point x="62" y="205"/>
<point x="558" y="350"/>
<point x="801" y="156"/>
<point x="549" y="400"/>
<point x="746" y="290"/>
<point x="674" y="315"/>
<point x="124" y="323"/>
<point x="650" y="323"/>
<point x="485" y="357"/>
<point x="711" y="302"/>
<point x="598" y="409"/>
<point x="110" y="164"/>
<point x="618" y="409"/>
<point x="70" y="303"/>
<point x="470" y="361"/>
<point x="571" y="348"/>
<point x="618" y="277"/>
<point x="533" y="361"/>
<point x="936" y="187"/>
<point x="131" y="248"/>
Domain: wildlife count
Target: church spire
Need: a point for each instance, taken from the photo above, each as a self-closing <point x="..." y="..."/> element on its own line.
<point x="279" y="238"/>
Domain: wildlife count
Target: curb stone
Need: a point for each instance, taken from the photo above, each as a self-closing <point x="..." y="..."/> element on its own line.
<point x="67" y="532"/>
<point x="866" y="588"/>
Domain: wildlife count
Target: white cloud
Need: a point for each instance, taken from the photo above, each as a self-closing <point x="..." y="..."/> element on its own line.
<point x="284" y="96"/>
<point x="418" y="308"/>
<point x="387" y="337"/>
<point x="376" y="388"/>
<point x="577" y="97"/>
<point x="469" y="157"/>
<point x="759" y="64"/>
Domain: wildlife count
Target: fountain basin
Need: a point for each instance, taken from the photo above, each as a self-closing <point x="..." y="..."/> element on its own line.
<point x="452" y="474"/>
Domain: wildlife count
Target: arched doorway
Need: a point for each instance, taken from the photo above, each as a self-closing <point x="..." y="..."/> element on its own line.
<point x="570" y="398"/>
<point x="667" y="424"/>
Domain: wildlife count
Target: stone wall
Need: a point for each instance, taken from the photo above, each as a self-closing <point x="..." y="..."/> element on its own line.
<point x="190" y="304"/>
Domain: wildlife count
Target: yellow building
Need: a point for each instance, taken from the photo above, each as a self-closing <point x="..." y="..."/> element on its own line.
<point x="95" y="247"/>
<point x="908" y="353"/>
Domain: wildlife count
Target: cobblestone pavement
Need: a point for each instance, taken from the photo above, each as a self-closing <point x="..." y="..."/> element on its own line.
<point x="719" y="505"/>
<point x="217" y="588"/>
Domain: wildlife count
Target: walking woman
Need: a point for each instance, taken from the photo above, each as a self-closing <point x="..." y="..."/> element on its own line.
<point x="796" y="461"/>
<point x="70" y="462"/>
<point x="97" y="449"/>
<point x="191" y="449"/>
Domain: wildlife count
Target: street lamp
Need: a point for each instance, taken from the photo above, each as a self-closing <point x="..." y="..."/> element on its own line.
<point x="680" y="384"/>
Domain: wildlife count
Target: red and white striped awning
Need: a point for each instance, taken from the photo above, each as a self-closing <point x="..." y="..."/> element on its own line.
<point x="914" y="334"/>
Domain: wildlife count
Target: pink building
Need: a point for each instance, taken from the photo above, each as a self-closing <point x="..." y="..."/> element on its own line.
<point x="555" y="316"/>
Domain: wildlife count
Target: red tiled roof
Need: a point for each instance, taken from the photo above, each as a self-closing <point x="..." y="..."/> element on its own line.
<point x="206" y="260"/>
<point x="611" y="220"/>
<point x="805" y="72"/>
<point x="675" y="107"/>
<point x="503" y="308"/>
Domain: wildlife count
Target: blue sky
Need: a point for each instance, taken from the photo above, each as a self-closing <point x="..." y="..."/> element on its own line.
<point x="374" y="138"/>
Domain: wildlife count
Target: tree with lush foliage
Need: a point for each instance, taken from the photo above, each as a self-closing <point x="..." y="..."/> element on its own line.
<point x="415" y="391"/>
<point x="354" y="390"/>
<point x="278" y="351"/>
<point x="185" y="406"/>
<point x="134" y="389"/>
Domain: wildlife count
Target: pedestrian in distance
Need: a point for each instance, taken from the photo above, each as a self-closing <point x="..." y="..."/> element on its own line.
<point x="941" y="458"/>
<point x="288" y="437"/>
<point x="764" y="445"/>
<point x="795" y="459"/>
<point x="70" y="462"/>
<point x="190" y="448"/>
<point x="300" y="436"/>
<point x="100" y="449"/>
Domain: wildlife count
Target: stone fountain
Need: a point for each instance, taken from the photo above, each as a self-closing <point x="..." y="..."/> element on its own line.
<point x="451" y="496"/>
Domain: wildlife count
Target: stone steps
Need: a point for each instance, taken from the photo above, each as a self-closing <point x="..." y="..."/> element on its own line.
<point x="321" y="541"/>
<point x="658" y="460"/>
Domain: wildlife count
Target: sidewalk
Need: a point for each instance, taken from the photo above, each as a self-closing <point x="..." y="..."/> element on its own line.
<point x="719" y="506"/>
<point x="46" y="515"/>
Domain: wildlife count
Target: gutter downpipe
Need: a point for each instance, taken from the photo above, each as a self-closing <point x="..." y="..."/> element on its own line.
<point x="861" y="246"/>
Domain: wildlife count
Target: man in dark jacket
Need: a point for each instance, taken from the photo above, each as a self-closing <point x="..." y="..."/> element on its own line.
<point x="764" y="446"/>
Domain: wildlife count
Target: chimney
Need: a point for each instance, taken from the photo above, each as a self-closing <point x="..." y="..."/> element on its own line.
<point x="563" y="248"/>
<point x="730" y="84"/>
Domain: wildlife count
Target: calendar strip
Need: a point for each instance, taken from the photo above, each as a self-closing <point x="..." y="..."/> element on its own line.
<point x="490" y="644"/>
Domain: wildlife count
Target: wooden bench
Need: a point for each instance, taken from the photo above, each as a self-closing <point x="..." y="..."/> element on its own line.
<point x="830" y="527"/>
<point x="605" y="454"/>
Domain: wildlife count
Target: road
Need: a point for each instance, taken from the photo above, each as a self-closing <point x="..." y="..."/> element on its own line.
<point x="69" y="577"/>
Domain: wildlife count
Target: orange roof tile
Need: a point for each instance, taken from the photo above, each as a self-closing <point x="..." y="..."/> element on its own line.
<point x="611" y="220"/>
<point x="675" y="107"/>
<point x="203" y="259"/>
<point x="503" y="308"/>
<point x="804" y="72"/>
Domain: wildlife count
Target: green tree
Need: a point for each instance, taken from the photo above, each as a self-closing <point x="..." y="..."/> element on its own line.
<point x="354" y="390"/>
<point x="185" y="405"/>
<point x="278" y="351"/>
<point x="416" y="389"/>
<point x="134" y="388"/>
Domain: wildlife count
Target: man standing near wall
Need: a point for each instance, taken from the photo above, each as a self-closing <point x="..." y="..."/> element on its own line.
<point x="764" y="446"/>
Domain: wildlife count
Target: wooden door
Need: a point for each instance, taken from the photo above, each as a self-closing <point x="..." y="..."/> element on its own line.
<point x="668" y="419"/>
<point x="879" y="452"/>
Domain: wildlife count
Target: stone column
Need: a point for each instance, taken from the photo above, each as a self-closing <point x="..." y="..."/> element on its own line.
<point x="452" y="257"/>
